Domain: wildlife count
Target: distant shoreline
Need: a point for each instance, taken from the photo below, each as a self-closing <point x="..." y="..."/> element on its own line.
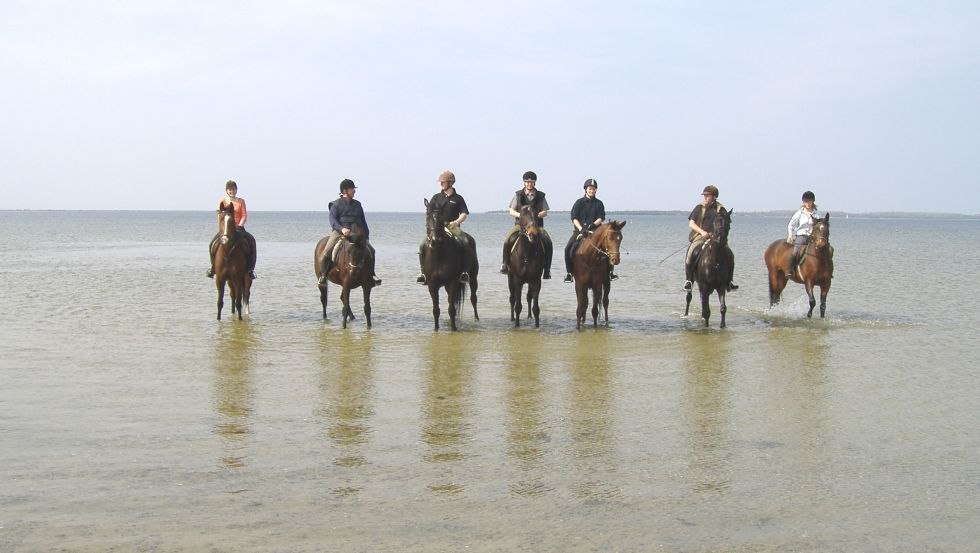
<point x="774" y="213"/>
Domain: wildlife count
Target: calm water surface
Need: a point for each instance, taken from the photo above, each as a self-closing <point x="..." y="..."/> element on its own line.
<point x="131" y="420"/>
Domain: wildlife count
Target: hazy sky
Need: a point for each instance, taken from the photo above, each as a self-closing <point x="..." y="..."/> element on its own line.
<point x="875" y="106"/>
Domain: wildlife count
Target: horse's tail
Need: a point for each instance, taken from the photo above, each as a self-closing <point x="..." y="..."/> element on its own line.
<point x="460" y="297"/>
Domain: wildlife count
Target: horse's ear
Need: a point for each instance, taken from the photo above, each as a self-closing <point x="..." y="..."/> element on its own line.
<point x="623" y="224"/>
<point x="426" y="202"/>
<point x="827" y="217"/>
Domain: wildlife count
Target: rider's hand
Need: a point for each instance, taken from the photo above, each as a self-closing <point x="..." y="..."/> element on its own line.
<point x="345" y="231"/>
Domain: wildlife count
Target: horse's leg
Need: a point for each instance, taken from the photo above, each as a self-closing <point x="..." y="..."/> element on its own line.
<point x="434" y="294"/>
<point x="513" y="299"/>
<point x="606" y="286"/>
<point x="323" y="299"/>
<point x="530" y="314"/>
<point x="824" y="289"/>
<point x="721" y="299"/>
<point x="475" y="269"/>
<point x="687" y="306"/>
<point x="247" y="294"/>
<point x="516" y="306"/>
<point x="453" y="291"/>
<point x="239" y="290"/>
<point x="705" y="305"/>
<point x="809" y="294"/>
<point x="219" y="282"/>
<point x="345" y="302"/>
<point x="534" y="291"/>
<point x="367" y="302"/>
<point x="596" y="298"/>
<point x="582" y="295"/>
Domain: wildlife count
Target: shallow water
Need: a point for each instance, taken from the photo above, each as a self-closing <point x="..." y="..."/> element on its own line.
<point x="131" y="420"/>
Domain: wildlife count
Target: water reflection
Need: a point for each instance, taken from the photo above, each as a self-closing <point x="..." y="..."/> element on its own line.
<point x="346" y="390"/>
<point x="447" y="404"/>
<point x="233" y="393"/>
<point x="707" y="406"/>
<point x="526" y="431"/>
<point x="590" y="399"/>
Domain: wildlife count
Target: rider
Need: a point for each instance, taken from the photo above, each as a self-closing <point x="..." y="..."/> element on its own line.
<point x="344" y="212"/>
<point x="529" y="195"/>
<point x="454" y="211"/>
<point x="241" y="215"/>
<point x="588" y="212"/>
<point x="702" y="217"/>
<point x="799" y="229"/>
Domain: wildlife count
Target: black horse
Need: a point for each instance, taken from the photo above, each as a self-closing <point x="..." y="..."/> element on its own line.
<point x="713" y="267"/>
<point x="526" y="266"/>
<point x="444" y="259"/>
<point x="354" y="268"/>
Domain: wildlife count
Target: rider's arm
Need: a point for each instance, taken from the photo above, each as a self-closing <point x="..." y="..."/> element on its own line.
<point x="243" y="210"/>
<point x="694" y="226"/>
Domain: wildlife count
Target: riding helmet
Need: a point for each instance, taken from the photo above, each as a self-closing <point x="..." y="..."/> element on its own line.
<point x="710" y="189"/>
<point x="231" y="184"/>
<point x="809" y="196"/>
<point x="590" y="182"/>
<point x="447" y="176"/>
<point x="530" y="175"/>
<point x="345" y="184"/>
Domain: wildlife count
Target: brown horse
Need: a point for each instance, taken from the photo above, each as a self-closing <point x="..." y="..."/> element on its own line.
<point x="353" y="268"/>
<point x="525" y="266"/>
<point x="231" y="263"/>
<point x="713" y="267"/>
<point x="444" y="259"/>
<point x="591" y="262"/>
<point x="815" y="267"/>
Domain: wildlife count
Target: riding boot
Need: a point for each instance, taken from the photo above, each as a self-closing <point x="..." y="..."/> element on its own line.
<point x="792" y="265"/>
<point x="612" y="275"/>
<point x="324" y="271"/>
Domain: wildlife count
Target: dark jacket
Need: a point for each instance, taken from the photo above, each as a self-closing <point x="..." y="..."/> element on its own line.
<point x="538" y="204"/>
<point x="344" y="213"/>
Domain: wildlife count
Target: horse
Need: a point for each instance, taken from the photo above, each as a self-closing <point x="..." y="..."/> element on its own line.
<point x="353" y="268"/>
<point x="815" y="267"/>
<point x="525" y="266"/>
<point x="593" y="257"/>
<point x="714" y="267"/>
<point x="443" y="259"/>
<point x="231" y="264"/>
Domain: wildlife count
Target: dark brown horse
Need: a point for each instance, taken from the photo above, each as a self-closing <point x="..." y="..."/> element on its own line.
<point x="525" y="266"/>
<point x="593" y="258"/>
<point x="353" y="268"/>
<point x="231" y="263"/>
<point x="713" y="267"/>
<point x="815" y="267"/>
<point x="444" y="259"/>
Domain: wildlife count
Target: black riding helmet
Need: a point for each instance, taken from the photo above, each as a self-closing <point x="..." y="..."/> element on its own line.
<point x="590" y="182"/>
<point x="809" y="196"/>
<point x="346" y="184"/>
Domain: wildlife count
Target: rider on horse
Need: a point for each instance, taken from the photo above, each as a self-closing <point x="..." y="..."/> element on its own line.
<point x="588" y="212"/>
<point x="799" y="229"/>
<point x="344" y="213"/>
<point x="453" y="208"/>
<point x="529" y="195"/>
<point x="241" y="215"/>
<point x="702" y="217"/>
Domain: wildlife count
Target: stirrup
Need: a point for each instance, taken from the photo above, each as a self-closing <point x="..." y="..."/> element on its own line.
<point x="504" y="270"/>
<point x="322" y="281"/>
<point x="251" y="275"/>
<point x="568" y="277"/>
<point x="732" y="286"/>
<point x="688" y="285"/>
<point x="209" y="273"/>
<point x="420" y="279"/>
<point x="377" y="281"/>
<point x="464" y="277"/>
<point x="613" y="276"/>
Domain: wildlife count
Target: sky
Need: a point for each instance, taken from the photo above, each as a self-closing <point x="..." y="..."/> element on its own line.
<point x="874" y="106"/>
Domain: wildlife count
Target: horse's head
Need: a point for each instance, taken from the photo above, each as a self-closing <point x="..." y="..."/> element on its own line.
<point x="528" y="223"/>
<point x="820" y="236"/>
<point x="722" y="226"/>
<point x="607" y="239"/>
<point x="226" y="222"/>
<point x="435" y="225"/>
